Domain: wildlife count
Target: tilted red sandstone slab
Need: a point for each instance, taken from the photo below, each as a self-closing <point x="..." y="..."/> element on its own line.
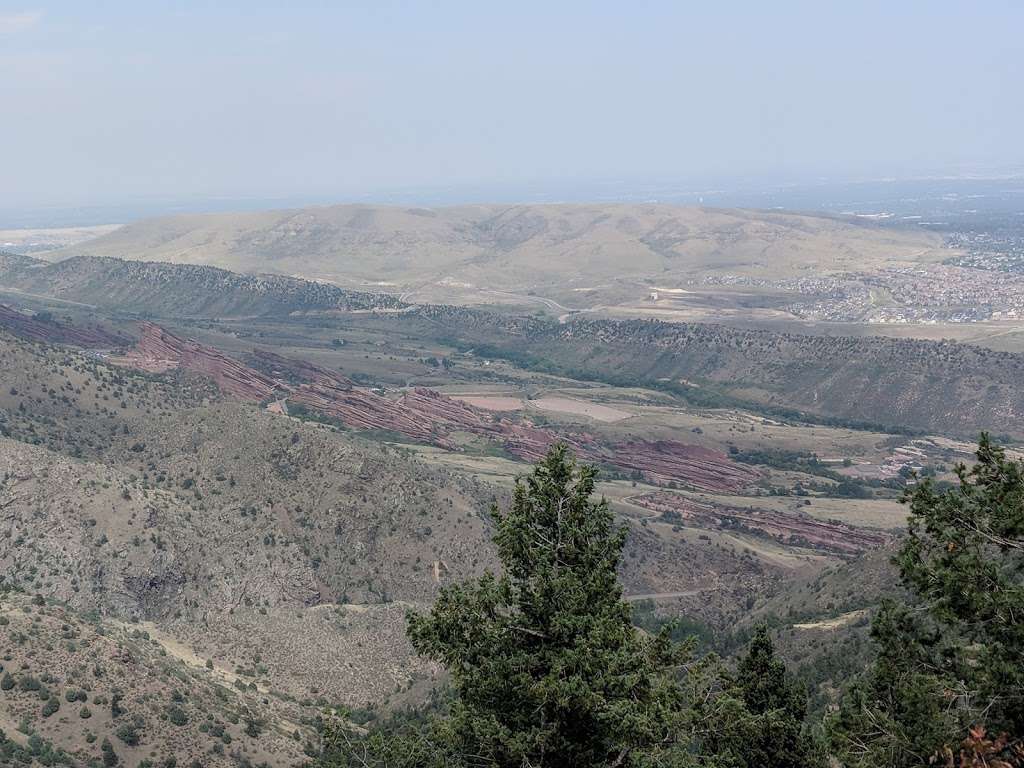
<point x="428" y="416"/>
<point x="52" y="332"/>
<point x="788" y="528"/>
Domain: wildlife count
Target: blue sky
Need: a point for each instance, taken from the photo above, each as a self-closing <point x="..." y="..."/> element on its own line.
<point x="105" y="101"/>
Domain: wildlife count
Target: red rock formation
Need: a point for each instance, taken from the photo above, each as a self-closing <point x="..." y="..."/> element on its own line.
<point x="52" y="332"/>
<point x="365" y="410"/>
<point x="663" y="461"/>
<point x="230" y="375"/>
<point x="281" y="367"/>
<point x="428" y="416"/>
<point x="788" y="528"/>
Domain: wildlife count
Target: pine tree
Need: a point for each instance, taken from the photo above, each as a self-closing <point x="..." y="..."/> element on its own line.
<point x="898" y="712"/>
<point x="110" y="757"/>
<point x="950" y="662"/>
<point x="757" y="718"/>
<point x="964" y="558"/>
<point x="546" y="665"/>
<point x="765" y="684"/>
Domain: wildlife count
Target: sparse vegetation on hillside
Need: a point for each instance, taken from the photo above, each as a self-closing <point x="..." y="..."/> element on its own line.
<point x="541" y="655"/>
<point x="278" y="552"/>
<point x="181" y="290"/>
<point x="571" y="253"/>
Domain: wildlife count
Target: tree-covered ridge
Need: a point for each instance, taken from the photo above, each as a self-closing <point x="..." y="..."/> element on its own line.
<point x="180" y="290"/>
<point x="864" y="382"/>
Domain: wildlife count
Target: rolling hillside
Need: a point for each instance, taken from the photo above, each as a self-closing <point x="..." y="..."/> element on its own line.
<point x="577" y="254"/>
<point x="290" y="549"/>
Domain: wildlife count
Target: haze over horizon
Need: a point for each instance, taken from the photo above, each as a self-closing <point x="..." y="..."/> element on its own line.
<point x="122" y="102"/>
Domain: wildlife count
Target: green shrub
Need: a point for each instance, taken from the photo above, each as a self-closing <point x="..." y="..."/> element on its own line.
<point x="129" y="734"/>
<point x="177" y="716"/>
<point x="110" y="758"/>
<point x="29" y="683"/>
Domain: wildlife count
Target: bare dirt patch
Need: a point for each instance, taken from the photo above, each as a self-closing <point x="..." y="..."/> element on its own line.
<point x="839" y="621"/>
<point x="501" y="403"/>
<point x="595" y="411"/>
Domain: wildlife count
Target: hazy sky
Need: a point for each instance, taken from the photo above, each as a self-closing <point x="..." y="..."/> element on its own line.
<point x="108" y="101"/>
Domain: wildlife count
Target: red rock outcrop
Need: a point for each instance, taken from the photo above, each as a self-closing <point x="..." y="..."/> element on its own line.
<point x="52" y="332"/>
<point x="233" y="377"/>
<point x="428" y="416"/>
<point x="288" y="368"/>
<point x="793" y="529"/>
<point x="662" y="461"/>
<point x="365" y="410"/>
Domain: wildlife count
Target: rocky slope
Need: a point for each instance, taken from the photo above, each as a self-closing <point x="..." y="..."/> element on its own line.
<point x="36" y="327"/>
<point x="803" y="531"/>
<point x="75" y="682"/>
<point x="242" y="533"/>
<point x="239" y="531"/>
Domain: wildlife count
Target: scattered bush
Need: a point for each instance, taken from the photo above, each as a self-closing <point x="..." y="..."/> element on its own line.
<point x="177" y="716"/>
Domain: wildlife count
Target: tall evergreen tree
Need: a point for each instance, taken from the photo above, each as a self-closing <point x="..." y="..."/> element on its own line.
<point x="546" y="665"/>
<point x="964" y="558"/>
<point x="757" y="719"/>
<point x="953" y="657"/>
<point x="898" y="713"/>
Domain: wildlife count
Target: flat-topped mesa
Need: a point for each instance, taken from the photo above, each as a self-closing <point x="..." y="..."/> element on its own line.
<point x="231" y="376"/>
<point x="36" y="328"/>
